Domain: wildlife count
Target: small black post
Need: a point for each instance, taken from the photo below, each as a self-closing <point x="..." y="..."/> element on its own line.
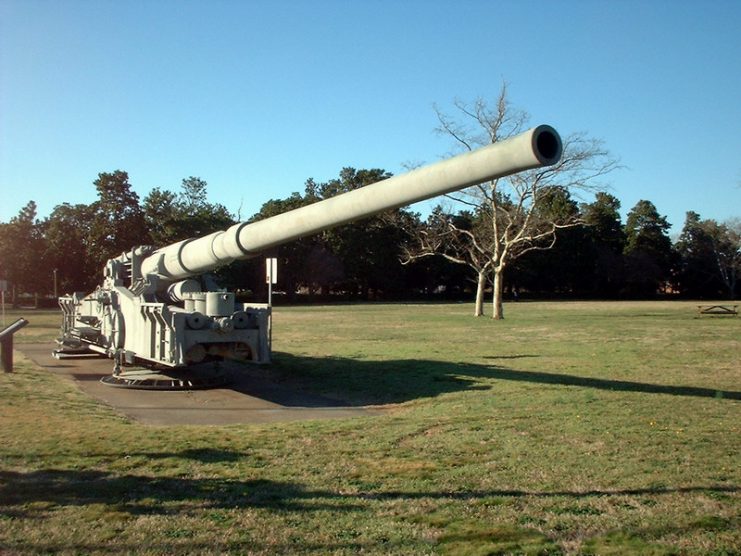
<point x="6" y="344"/>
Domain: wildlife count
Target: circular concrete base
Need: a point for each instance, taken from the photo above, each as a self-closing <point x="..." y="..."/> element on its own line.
<point x="184" y="379"/>
<point x="256" y="395"/>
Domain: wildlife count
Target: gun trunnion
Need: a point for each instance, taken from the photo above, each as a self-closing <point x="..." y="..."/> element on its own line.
<point x="151" y="308"/>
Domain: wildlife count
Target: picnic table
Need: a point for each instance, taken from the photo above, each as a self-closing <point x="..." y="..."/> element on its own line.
<point x="722" y="310"/>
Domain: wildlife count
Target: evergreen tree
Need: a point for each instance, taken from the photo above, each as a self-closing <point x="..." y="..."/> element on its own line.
<point x="606" y="241"/>
<point x="369" y="249"/>
<point x="118" y="221"/>
<point x="22" y="250"/>
<point x="710" y="255"/>
<point x="648" y="250"/>
<point x="172" y="217"/>
<point x="68" y="244"/>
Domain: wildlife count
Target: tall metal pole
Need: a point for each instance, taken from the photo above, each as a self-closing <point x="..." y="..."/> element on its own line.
<point x="271" y="277"/>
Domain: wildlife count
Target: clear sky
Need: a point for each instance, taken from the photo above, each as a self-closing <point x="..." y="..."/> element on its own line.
<point x="256" y="97"/>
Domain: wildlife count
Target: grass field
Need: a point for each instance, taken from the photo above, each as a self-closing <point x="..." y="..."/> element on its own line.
<point x="576" y="428"/>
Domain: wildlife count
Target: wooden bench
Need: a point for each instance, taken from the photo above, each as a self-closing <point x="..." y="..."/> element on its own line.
<point x="718" y="310"/>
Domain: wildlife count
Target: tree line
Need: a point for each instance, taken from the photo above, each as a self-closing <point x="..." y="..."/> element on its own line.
<point x="598" y="257"/>
<point x="525" y="234"/>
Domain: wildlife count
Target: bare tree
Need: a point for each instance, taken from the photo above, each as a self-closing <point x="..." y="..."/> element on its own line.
<point x="452" y="237"/>
<point x="510" y="216"/>
<point x="726" y="245"/>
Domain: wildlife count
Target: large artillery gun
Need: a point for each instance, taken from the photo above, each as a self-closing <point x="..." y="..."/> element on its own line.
<point x="158" y="307"/>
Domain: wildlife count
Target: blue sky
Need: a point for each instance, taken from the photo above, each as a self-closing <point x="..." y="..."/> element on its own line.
<point x="256" y="97"/>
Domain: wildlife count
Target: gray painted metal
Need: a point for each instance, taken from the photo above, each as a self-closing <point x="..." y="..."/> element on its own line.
<point x="6" y="344"/>
<point x="154" y="307"/>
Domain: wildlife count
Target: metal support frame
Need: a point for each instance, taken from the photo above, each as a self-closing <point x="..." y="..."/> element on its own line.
<point x="6" y="344"/>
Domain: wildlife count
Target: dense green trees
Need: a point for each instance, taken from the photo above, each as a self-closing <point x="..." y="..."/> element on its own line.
<point x="70" y="247"/>
<point x="368" y="251"/>
<point x="75" y="241"/>
<point x="648" y="250"/>
<point x="22" y="249"/>
<point x="358" y="260"/>
<point x="294" y="265"/>
<point x="605" y="238"/>
<point x="601" y="257"/>
<point x="170" y="216"/>
<point x="710" y="257"/>
<point x="117" y="218"/>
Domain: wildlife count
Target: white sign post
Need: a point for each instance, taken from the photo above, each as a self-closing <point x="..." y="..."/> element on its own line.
<point x="271" y="277"/>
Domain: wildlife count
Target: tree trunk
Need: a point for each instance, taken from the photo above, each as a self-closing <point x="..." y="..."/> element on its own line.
<point x="480" y="285"/>
<point x="732" y="286"/>
<point x="497" y="306"/>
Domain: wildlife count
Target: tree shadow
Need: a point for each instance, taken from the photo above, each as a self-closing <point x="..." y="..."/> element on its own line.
<point x="201" y="455"/>
<point x="509" y="357"/>
<point x="35" y="495"/>
<point x="334" y="381"/>
<point x="610" y="384"/>
<point x="32" y="494"/>
<point x="208" y="455"/>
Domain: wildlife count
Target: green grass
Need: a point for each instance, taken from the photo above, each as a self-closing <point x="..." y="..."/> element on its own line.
<point x="577" y="428"/>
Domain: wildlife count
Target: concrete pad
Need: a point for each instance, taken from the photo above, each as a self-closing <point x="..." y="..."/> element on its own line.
<point x="251" y="398"/>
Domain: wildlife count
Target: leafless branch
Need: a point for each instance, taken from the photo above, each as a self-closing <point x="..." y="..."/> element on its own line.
<point x="511" y="216"/>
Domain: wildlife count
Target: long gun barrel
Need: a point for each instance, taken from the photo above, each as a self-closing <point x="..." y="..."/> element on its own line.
<point x="537" y="147"/>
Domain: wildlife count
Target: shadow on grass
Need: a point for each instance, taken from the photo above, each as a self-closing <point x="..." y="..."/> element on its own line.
<point x="152" y="495"/>
<point x="37" y="494"/>
<point x="34" y="493"/>
<point x="356" y="382"/>
<point x="608" y="384"/>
